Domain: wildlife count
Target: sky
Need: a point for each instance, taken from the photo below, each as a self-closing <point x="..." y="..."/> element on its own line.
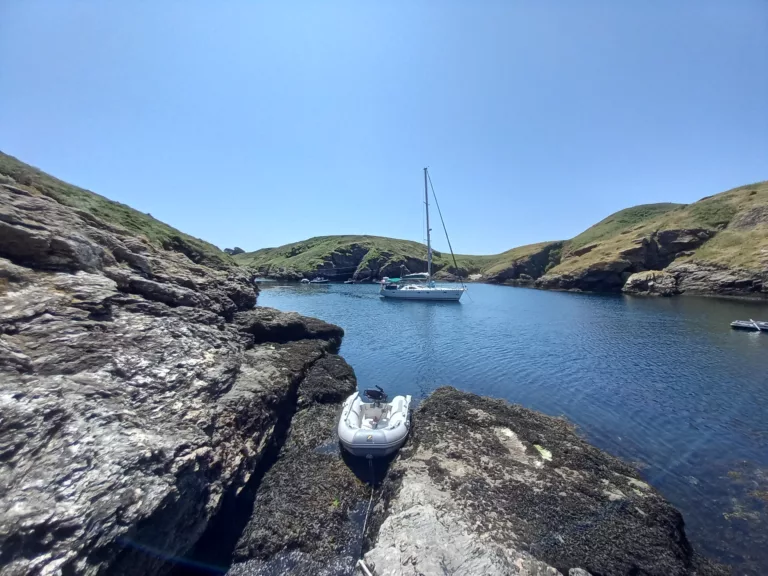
<point x="254" y="124"/>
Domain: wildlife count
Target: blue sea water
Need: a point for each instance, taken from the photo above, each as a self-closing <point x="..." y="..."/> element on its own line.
<point x="664" y="383"/>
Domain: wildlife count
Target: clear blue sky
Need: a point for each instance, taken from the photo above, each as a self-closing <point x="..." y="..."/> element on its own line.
<point x="256" y="124"/>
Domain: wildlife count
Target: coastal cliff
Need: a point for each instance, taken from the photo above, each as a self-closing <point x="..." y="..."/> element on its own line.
<point x="139" y="391"/>
<point x="716" y="246"/>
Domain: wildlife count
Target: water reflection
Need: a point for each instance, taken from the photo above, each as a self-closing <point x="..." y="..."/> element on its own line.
<point x="660" y="381"/>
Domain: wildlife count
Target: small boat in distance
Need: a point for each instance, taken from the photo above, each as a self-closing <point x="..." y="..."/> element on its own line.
<point x="304" y="281"/>
<point x="319" y="280"/>
<point x="750" y="325"/>
<point x="376" y="428"/>
<point x="420" y="286"/>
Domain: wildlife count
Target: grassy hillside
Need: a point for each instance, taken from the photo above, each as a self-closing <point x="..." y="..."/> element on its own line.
<point x="507" y="259"/>
<point x="17" y="173"/>
<point x="743" y="212"/>
<point x="738" y="220"/>
<point x="314" y="253"/>
<point x="619" y="222"/>
<point x="350" y="252"/>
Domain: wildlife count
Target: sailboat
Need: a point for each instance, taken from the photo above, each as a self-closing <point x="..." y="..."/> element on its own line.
<point x="420" y="286"/>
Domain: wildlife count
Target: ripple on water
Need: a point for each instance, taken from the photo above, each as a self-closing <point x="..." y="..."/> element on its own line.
<point x="661" y="382"/>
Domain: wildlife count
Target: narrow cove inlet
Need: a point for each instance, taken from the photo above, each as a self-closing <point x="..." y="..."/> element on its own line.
<point x="384" y="289"/>
<point x="163" y="414"/>
<point x="662" y="383"/>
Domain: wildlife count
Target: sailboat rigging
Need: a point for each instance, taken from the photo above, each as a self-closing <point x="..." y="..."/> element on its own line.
<point x="421" y="286"/>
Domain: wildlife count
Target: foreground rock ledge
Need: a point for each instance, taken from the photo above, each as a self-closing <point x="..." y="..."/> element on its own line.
<point x="486" y="487"/>
<point x="139" y="391"/>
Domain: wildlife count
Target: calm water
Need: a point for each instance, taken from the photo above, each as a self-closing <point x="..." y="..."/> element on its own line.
<point x="661" y="382"/>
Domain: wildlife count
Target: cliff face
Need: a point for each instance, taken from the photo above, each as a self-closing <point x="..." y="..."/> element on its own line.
<point x="138" y="391"/>
<point x="19" y="175"/>
<point x="362" y="258"/>
<point x="718" y="245"/>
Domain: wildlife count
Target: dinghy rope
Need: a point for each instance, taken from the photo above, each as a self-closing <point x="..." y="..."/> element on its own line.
<point x="370" y="500"/>
<point x="360" y="561"/>
<point x="440" y="213"/>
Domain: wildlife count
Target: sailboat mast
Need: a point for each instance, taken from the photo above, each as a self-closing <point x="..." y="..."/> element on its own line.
<point x="429" y="243"/>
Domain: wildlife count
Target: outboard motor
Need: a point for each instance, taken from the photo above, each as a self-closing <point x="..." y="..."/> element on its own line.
<point x="376" y="396"/>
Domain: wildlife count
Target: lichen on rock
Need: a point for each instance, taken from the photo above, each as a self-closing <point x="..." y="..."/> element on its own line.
<point x="472" y="494"/>
<point x="138" y="391"/>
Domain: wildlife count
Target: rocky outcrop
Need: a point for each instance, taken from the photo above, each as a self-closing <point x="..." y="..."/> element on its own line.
<point x="386" y="264"/>
<point x="139" y="392"/>
<point x="527" y="269"/>
<point x="698" y="278"/>
<point x="651" y="283"/>
<point x="611" y="274"/>
<point x="280" y="273"/>
<point x="667" y="245"/>
<point x="600" y="277"/>
<point x="309" y="508"/>
<point x="485" y="487"/>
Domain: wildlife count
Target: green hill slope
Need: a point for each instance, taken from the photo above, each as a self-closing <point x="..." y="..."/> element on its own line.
<point x="621" y="221"/>
<point x="722" y="237"/>
<point x="372" y="257"/>
<point x="716" y="245"/>
<point x="16" y="173"/>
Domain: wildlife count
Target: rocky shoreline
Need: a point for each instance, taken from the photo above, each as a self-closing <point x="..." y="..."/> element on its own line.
<point x="153" y="420"/>
<point x="649" y="270"/>
<point x="717" y="246"/>
<point x="487" y="487"/>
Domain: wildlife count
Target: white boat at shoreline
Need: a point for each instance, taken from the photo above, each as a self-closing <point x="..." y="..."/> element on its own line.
<point x="376" y="428"/>
<point x="421" y="286"/>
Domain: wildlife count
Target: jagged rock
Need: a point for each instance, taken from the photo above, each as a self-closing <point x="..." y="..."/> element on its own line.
<point x="279" y="273"/>
<point x="132" y="401"/>
<point x="486" y="487"/>
<point x="309" y="506"/>
<point x="698" y="278"/>
<point x="653" y="252"/>
<point x="701" y="278"/>
<point x="583" y="250"/>
<point x="270" y="325"/>
<point x="524" y="270"/>
<point x="671" y="243"/>
<point x="600" y="277"/>
<point x="651" y="282"/>
<point x="386" y="264"/>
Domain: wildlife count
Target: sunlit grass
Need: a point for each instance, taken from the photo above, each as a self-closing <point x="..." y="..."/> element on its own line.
<point x="13" y="171"/>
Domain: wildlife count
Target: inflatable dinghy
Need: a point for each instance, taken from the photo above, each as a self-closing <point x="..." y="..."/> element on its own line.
<point x="376" y="428"/>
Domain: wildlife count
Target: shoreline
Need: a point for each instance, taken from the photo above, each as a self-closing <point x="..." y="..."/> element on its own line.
<point x="532" y="286"/>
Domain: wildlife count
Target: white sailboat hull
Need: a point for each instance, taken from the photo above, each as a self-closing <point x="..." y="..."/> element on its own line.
<point x="423" y="293"/>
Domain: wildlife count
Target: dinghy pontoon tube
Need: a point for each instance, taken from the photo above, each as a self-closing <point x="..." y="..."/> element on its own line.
<point x="376" y="428"/>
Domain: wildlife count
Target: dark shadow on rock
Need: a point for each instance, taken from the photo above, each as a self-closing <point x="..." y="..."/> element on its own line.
<point x="370" y="471"/>
<point x="214" y="550"/>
